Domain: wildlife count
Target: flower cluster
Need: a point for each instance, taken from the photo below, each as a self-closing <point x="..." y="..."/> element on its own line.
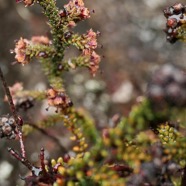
<point x="89" y="43"/>
<point x="25" y="49"/>
<point x="58" y="99"/>
<point x="94" y="62"/>
<point x="89" y="40"/>
<point x="176" y="20"/>
<point x="62" y="20"/>
<point x="167" y="133"/>
<point x="20" y="51"/>
<point x="175" y="150"/>
<point x="76" y="10"/>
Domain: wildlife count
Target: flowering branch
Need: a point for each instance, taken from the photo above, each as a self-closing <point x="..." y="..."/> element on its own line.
<point x="176" y="22"/>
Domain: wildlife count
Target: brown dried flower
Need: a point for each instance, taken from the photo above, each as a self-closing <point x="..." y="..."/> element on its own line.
<point x="58" y="99"/>
<point x="176" y="20"/>
<point x="8" y="127"/>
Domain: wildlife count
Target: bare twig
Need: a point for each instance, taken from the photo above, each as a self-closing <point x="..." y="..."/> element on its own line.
<point x="10" y="100"/>
<point x="24" y="161"/>
<point x="17" y="118"/>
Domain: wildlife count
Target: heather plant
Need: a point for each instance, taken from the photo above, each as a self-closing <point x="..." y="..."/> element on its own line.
<point x="147" y="147"/>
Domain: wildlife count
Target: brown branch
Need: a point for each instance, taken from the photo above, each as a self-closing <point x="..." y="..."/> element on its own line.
<point x="17" y="118"/>
<point x="24" y="161"/>
<point x="7" y="92"/>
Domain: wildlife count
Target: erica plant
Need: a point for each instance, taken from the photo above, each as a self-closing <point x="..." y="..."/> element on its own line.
<point x="145" y="148"/>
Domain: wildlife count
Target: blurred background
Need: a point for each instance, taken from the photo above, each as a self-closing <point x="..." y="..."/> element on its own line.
<point x="132" y="45"/>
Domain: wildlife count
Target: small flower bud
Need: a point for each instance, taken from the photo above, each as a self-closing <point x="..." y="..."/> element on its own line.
<point x="176" y="21"/>
<point x="8" y="127"/>
<point x="51" y="93"/>
<point x="66" y="158"/>
<point x="63" y="13"/>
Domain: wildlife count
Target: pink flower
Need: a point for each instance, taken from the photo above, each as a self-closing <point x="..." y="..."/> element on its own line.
<point x="79" y="2"/>
<point x="76" y="9"/>
<point x="90" y="40"/>
<point x="17" y="87"/>
<point x="23" y="53"/>
<point x="40" y="40"/>
<point x="94" y="60"/>
<point x="20" y="51"/>
<point x="84" y="13"/>
<point x="71" y="24"/>
<point x="26" y="2"/>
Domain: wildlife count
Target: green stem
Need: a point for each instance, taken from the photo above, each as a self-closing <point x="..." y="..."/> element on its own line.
<point x="52" y="13"/>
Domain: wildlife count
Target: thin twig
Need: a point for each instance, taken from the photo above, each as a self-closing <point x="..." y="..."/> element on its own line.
<point x="17" y="118"/>
<point x="23" y="152"/>
<point x="24" y="161"/>
<point x="10" y="100"/>
<point x="35" y="170"/>
<point x="42" y="159"/>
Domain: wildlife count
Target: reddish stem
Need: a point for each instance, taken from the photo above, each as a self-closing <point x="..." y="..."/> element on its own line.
<point x="14" y="112"/>
<point x="23" y="160"/>
<point x="23" y="152"/>
<point x="42" y="158"/>
<point x="10" y="100"/>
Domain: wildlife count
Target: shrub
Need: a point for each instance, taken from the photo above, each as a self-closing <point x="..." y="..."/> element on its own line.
<point x="147" y="147"/>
